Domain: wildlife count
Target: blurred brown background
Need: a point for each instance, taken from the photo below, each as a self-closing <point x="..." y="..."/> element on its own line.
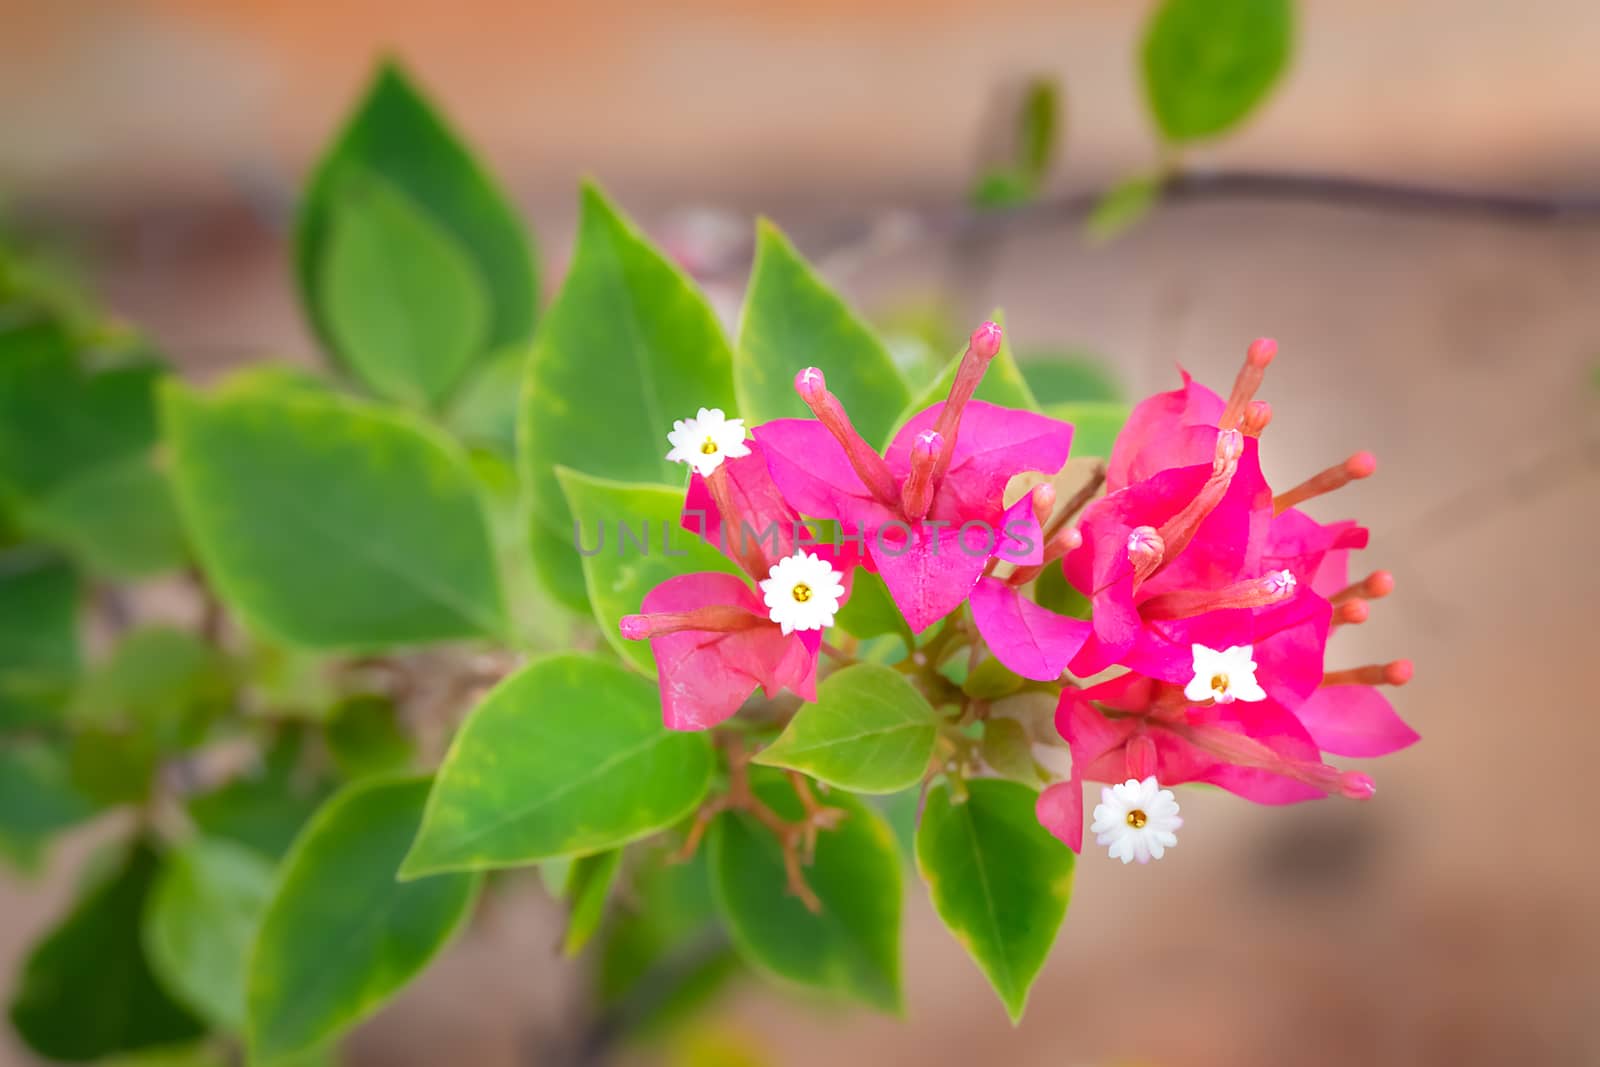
<point x="1449" y="921"/>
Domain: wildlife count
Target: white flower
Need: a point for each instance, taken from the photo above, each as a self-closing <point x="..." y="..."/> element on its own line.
<point x="706" y="440"/>
<point x="802" y="592"/>
<point x="1224" y="676"/>
<point x="1137" y="819"/>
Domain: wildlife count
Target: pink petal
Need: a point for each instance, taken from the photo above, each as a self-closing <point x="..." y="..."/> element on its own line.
<point x="930" y="573"/>
<point x="706" y="677"/>
<point x="811" y="469"/>
<point x="1032" y="641"/>
<point x="1354" y="720"/>
<point x="762" y="508"/>
<point x="993" y="445"/>
<point x="1318" y="555"/>
<point x="1059" y="809"/>
<point x="1174" y="429"/>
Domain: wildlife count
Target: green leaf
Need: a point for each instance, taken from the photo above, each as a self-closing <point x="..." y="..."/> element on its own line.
<point x="631" y="541"/>
<point x="1094" y="425"/>
<point x="1000" y="188"/>
<point x="991" y="680"/>
<point x="998" y="880"/>
<point x="1070" y="378"/>
<point x="1003" y="383"/>
<point x="403" y="303"/>
<point x="871" y="611"/>
<point x="588" y="887"/>
<point x="341" y="935"/>
<point x="75" y="454"/>
<point x="397" y="136"/>
<point x="483" y="412"/>
<point x="160" y="680"/>
<point x="1007" y="750"/>
<point x="87" y="990"/>
<point x="668" y="912"/>
<point x="1122" y="207"/>
<point x="114" y="766"/>
<point x="1209" y="63"/>
<point x="1051" y="591"/>
<point x="793" y="320"/>
<point x="1038" y="122"/>
<point x="852" y="947"/>
<point x="628" y="347"/>
<point x="333" y="524"/>
<point x="38" y="636"/>
<point x="265" y="808"/>
<point x="37" y="795"/>
<point x="870" y="731"/>
<point x="365" y="737"/>
<point x="200" y="923"/>
<point x="566" y="757"/>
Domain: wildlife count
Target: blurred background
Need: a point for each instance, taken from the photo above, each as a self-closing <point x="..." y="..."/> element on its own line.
<point x="159" y="146"/>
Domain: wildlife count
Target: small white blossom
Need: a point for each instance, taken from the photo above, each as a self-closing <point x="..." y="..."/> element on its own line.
<point x="1224" y="676"/>
<point x="802" y="592"/>
<point x="706" y="440"/>
<point x="1138" y="820"/>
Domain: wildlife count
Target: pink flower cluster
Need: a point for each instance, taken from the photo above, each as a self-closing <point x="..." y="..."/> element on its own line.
<point x="1213" y="599"/>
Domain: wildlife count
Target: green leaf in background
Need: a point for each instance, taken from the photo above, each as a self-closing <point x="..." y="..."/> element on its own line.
<point x="869" y="731"/>
<point x="1095" y="425"/>
<point x="663" y="955"/>
<point x="1001" y="188"/>
<point x="200" y="924"/>
<point x="483" y="412"/>
<point x="1039" y="127"/>
<point x="850" y="948"/>
<point x="998" y="880"/>
<point x="870" y="611"/>
<point x="37" y="796"/>
<point x="401" y="298"/>
<point x="613" y="519"/>
<point x="1050" y="590"/>
<point x="1209" y="63"/>
<point x="365" y="737"/>
<point x="588" y="888"/>
<point x="628" y="347"/>
<point x="266" y="808"/>
<point x="1122" y="207"/>
<point x="1003" y="384"/>
<point x="115" y="765"/>
<point x="38" y="636"/>
<point x="1070" y="377"/>
<point x="1031" y="152"/>
<point x="1007" y="750"/>
<point x="160" y="680"/>
<point x="87" y="990"/>
<point x="566" y="757"/>
<point x="792" y="320"/>
<point x="991" y="680"/>
<point x="397" y="136"/>
<point x="75" y="454"/>
<point x="331" y="523"/>
<point x="341" y="935"/>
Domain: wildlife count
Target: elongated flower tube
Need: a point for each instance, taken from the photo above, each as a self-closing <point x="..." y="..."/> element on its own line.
<point x="930" y="510"/>
<point x="715" y="638"/>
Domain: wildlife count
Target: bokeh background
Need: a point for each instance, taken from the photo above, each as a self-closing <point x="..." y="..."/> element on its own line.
<point x="1451" y="920"/>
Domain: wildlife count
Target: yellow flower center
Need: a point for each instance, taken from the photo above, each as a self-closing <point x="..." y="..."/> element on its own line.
<point x="802" y="593"/>
<point x="1219" y="683"/>
<point x="709" y="448"/>
<point x="1137" y="818"/>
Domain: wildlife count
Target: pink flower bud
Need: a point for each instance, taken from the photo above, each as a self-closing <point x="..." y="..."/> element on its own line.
<point x="985" y="342"/>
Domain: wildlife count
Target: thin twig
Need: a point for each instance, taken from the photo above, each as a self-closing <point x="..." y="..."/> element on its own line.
<point x="1213" y="186"/>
